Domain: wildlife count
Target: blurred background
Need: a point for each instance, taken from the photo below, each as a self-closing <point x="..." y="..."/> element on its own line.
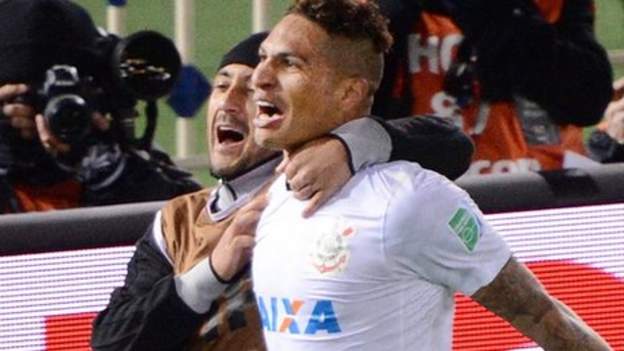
<point x="219" y="24"/>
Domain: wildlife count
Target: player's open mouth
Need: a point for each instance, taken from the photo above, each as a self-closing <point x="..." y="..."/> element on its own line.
<point x="229" y="134"/>
<point x="269" y="115"/>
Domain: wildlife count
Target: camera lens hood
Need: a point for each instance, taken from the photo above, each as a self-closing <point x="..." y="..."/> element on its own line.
<point x="146" y="64"/>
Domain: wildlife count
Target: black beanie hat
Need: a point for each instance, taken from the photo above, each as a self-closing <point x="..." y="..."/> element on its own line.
<point x="36" y="34"/>
<point x="245" y="52"/>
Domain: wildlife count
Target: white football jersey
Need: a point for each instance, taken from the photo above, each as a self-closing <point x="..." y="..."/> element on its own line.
<point x="376" y="267"/>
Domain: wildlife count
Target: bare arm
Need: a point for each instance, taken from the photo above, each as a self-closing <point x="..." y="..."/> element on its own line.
<point x="517" y="296"/>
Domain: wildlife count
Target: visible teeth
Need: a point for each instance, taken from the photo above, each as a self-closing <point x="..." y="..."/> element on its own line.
<point x="229" y="134"/>
<point x="229" y="129"/>
<point x="265" y="104"/>
<point x="264" y="120"/>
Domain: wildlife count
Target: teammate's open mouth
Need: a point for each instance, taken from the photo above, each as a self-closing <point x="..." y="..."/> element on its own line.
<point x="229" y="135"/>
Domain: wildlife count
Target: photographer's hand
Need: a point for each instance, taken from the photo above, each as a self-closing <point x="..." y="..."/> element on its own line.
<point x="614" y="114"/>
<point x="52" y="144"/>
<point x="19" y="115"/>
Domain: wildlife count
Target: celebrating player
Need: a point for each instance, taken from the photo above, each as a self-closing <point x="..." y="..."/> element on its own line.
<point x="376" y="267"/>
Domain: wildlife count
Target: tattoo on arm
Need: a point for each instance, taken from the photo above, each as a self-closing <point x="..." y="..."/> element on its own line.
<point x="517" y="296"/>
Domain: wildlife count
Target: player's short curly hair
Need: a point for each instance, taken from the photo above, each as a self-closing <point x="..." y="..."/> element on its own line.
<point x="353" y="19"/>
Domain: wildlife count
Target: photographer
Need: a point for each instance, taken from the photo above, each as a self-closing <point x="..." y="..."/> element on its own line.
<point x="60" y="139"/>
<point x="521" y="77"/>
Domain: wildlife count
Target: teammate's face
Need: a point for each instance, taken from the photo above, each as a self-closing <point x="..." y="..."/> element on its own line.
<point x="294" y="85"/>
<point x="230" y="128"/>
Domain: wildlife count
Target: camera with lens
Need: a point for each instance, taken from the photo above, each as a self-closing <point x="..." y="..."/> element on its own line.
<point x="63" y="102"/>
<point x="142" y="66"/>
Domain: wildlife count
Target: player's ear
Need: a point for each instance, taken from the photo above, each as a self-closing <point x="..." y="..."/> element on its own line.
<point x="353" y="92"/>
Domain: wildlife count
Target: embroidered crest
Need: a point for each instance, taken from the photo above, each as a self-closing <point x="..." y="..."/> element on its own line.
<point x="330" y="251"/>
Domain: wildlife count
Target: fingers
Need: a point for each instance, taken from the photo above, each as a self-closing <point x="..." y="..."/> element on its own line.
<point x="235" y="246"/>
<point x="44" y="133"/>
<point x="618" y="85"/>
<point x="316" y="171"/>
<point x="247" y="218"/>
<point x="301" y="181"/>
<point x="285" y="161"/>
<point x="245" y="223"/>
<point x="48" y="140"/>
<point x="9" y="91"/>
<point x="21" y="117"/>
<point x="618" y="89"/>
<point x="614" y="107"/>
<point x="315" y="203"/>
<point x="101" y="122"/>
<point x="301" y="178"/>
<point x="18" y="110"/>
<point x="282" y="165"/>
<point x="304" y="193"/>
<point x="291" y="167"/>
<point x="22" y="122"/>
<point x="615" y="128"/>
<point x="614" y="117"/>
<point x="301" y="173"/>
<point x="257" y="204"/>
<point x="243" y="244"/>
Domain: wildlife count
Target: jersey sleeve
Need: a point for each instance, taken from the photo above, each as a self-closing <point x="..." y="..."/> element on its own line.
<point x="435" y="231"/>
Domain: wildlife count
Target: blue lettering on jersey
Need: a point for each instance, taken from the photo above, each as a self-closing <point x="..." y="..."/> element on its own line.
<point x="322" y="318"/>
<point x="267" y="322"/>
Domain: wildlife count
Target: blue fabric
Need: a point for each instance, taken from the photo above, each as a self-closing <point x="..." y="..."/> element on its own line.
<point x="117" y="2"/>
<point x="189" y="92"/>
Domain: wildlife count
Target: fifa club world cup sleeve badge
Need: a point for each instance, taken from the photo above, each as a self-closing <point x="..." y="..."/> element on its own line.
<point x="330" y="250"/>
<point x="466" y="226"/>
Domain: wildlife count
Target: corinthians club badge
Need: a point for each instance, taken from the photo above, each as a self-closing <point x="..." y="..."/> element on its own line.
<point x="330" y="251"/>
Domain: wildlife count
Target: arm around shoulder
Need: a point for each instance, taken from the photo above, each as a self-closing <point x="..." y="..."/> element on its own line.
<point x="433" y="142"/>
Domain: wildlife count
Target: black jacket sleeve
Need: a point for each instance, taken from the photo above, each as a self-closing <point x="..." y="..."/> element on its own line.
<point x="435" y="143"/>
<point x="560" y="66"/>
<point x="146" y="313"/>
<point x="134" y="176"/>
<point x="605" y="149"/>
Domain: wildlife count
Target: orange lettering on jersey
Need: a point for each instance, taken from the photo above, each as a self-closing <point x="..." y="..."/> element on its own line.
<point x="432" y="48"/>
<point x="295" y="306"/>
<point x="496" y="128"/>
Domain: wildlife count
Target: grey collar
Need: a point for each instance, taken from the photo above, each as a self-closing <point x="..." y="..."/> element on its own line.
<point x="229" y="196"/>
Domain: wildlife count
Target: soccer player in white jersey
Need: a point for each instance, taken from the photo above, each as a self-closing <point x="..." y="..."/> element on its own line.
<point x="377" y="266"/>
